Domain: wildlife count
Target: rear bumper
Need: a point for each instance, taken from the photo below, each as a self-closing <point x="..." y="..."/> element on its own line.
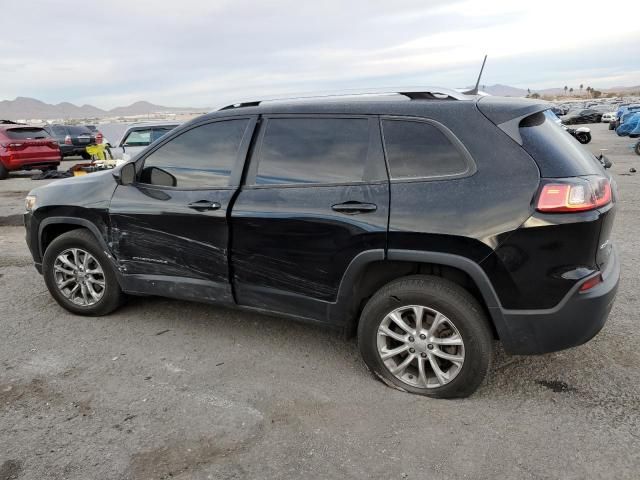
<point x="69" y="150"/>
<point x="574" y="321"/>
<point x="28" y="164"/>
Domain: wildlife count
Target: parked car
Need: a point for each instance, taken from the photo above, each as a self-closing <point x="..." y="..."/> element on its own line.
<point x="625" y="108"/>
<point x="73" y="139"/>
<point x="582" y="116"/>
<point x="23" y="147"/>
<point x="138" y="136"/>
<point x="388" y="217"/>
<point x="610" y="118"/>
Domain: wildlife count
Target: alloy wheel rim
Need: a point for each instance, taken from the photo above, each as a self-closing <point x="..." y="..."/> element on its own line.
<point x="420" y="346"/>
<point x="79" y="277"/>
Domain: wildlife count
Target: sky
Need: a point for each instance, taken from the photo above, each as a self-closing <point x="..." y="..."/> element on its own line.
<point x="197" y="53"/>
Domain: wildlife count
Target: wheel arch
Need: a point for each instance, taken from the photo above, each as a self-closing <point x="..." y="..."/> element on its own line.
<point x="52" y="227"/>
<point x="368" y="273"/>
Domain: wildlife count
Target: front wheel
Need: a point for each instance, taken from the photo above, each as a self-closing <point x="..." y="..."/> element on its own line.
<point x="79" y="275"/>
<point x="426" y="335"/>
<point x="583" y="138"/>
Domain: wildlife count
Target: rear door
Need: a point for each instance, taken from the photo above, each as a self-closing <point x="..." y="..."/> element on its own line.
<point x="316" y="195"/>
<point x="169" y="229"/>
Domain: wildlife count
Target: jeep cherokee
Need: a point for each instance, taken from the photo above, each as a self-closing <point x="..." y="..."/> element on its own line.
<point x="429" y="223"/>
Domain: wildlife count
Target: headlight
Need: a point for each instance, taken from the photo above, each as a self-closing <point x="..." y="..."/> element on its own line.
<point x="30" y="202"/>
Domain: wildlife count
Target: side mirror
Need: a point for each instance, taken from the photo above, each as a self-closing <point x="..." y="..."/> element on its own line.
<point x="128" y="174"/>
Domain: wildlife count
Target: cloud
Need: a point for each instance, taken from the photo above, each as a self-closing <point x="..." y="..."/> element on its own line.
<point x="208" y="53"/>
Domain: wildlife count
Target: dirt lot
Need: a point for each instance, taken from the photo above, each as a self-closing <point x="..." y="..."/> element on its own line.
<point x="167" y="389"/>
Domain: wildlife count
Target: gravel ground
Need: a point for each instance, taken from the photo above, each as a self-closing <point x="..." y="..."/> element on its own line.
<point x="167" y="389"/>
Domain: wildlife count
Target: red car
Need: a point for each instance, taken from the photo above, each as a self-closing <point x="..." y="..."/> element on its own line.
<point x="23" y="147"/>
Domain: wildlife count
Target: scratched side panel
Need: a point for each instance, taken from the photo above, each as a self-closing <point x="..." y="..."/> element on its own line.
<point x="290" y="249"/>
<point x="154" y="233"/>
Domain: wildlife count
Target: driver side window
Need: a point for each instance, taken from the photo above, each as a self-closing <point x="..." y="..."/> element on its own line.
<point x="201" y="157"/>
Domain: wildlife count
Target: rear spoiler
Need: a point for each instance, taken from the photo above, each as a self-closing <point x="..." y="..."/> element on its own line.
<point x="507" y="113"/>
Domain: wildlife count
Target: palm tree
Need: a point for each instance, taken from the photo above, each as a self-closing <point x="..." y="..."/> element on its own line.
<point x="581" y="88"/>
<point x="528" y="92"/>
<point x="571" y="91"/>
<point x="565" y="90"/>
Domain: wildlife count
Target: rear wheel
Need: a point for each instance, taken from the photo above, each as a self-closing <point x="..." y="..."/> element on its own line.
<point x="4" y="173"/>
<point x="637" y="148"/>
<point x="426" y="335"/>
<point x="79" y="275"/>
<point x="612" y="126"/>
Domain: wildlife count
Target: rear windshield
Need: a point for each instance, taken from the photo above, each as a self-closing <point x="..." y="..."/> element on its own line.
<point x="25" y="133"/>
<point x="555" y="151"/>
<point x="78" y="130"/>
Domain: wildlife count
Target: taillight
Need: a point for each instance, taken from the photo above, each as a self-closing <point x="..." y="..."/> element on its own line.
<point x="67" y="140"/>
<point x="574" y="195"/>
<point x="12" y="146"/>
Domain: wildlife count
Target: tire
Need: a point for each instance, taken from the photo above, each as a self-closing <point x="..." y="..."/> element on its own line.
<point x="637" y="148"/>
<point x="110" y="297"/>
<point x="4" y="173"/>
<point x="583" y="138"/>
<point x="85" y="156"/>
<point x="612" y="126"/>
<point x="460" y="309"/>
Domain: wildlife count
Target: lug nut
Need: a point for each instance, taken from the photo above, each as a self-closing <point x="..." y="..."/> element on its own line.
<point x="411" y="339"/>
<point x="423" y="355"/>
<point x="430" y="347"/>
<point x="422" y="336"/>
<point x="412" y="350"/>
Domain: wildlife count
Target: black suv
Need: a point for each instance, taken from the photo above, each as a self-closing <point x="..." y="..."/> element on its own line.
<point x="73" y="139"/>
<point x="430" y="223"/>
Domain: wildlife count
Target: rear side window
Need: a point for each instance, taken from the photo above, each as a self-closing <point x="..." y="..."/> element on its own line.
<point x="198" y="158"/>
<point x="159" y="132"/>
<point x="419" y="149"/>
<point x="26" y="133"/>
<point x="58" y="130"/>
<point x="313" y="150"/>
<point x="556" y="152"/>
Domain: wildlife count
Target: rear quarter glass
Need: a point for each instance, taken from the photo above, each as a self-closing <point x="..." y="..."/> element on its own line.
<point x="555" y="151"/>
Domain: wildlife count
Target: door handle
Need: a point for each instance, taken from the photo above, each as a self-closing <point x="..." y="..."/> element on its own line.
<point x="352" y="207"/>
<point x="204" y="205"/>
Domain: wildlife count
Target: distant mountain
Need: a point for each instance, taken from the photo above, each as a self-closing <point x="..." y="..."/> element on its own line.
<point x="27" y="108"/>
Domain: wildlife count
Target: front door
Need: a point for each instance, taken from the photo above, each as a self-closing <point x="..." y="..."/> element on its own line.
<point x="316" y="195"/>
<point x="169" y="228"/>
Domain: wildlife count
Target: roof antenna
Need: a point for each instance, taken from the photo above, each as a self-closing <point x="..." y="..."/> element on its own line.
<point x="474" y="90"/>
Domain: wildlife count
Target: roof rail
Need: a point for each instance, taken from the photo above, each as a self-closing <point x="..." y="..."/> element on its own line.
<point x="414" y="93"/>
